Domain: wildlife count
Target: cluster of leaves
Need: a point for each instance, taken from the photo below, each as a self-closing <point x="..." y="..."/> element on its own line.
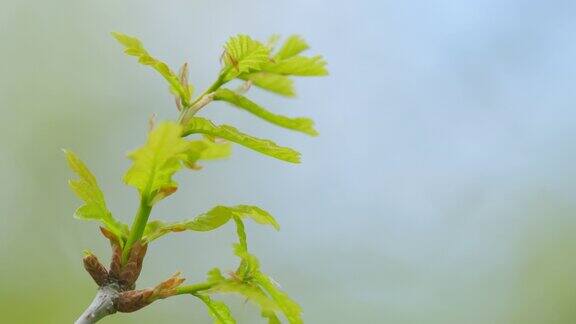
<point x="169" y="148"/>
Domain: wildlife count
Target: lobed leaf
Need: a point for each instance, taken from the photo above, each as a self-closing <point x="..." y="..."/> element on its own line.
<point x="87" y="189"/>
<point x="134" y="47"/>
<point x="249" y="273"/>
<point x="300" y="124"/>
<point x="290" y="308"/>
<point x="206" y="149"/>
<point x="298" y="65"/>
<point x="253" y="293"/>
<point x="198" y="125"/>
<point x="218" y="310"/>
<point x="276" y="83"/>
<point x="211" y="220"/>
<point x="155" y="162"/>
<point x="242" y="54"/>
<point x="293" y="46"/>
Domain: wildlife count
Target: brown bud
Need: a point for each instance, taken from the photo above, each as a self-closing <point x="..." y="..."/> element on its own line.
<point x="168" y="287"/>
<point x="116" y="263"/>
<point x="96" y="270"/>
<point x="133" y="300"/>
<point x="109" y="235"/>
<point x="128" y="275"/>
<point x="130" y="272"/>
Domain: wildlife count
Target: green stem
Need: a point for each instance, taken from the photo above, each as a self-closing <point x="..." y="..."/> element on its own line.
<point x="192" y="289"/>
<point x="215" y="86"/>
<point x="137" y="228"/>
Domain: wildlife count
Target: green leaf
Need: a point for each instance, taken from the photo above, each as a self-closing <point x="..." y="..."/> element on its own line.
<point x="218" y="310"/>
<point x="290" y="308"/>
<point x="87" y="189"/>
<point x="250" y="292"/>
<point x="243" y="54"/>
<point x="250" y="282"/>
<point x="206" y="149"/>
<point x="300" y="124"/>
<point x="249" y="264"/>
<point x="298" y="65"/>
<point x="272" y="318"/>
<point x="156" y="162"/>
<point x="277" y="83"/>
<point x="293" y="46"/>
<point x="240" y="249"/>
<point x="234" y="285"/>
<point x="211" y="220"/>
<point x="134" y="47"/>
<point x="198" y="125"/>
<point x="249" y="273"/>
<point x="215" y="276"/>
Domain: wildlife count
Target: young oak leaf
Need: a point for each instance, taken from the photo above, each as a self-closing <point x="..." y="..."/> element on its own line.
<point x="206" y="149"/>
<point x="218" y="310"/>
<point x="242" y="54"/>
<point x="155" y="162"/>
<point x="290" y="308"/>
<point x="293" y="46"/>
<point x="199" y="125"/>
<point x="249" y="273"/>
<point x="298" y="65"/>
<point x="299" y="124"/>
<point x="134" y="47"/>
<point x="276" y="83"/>
<point x="211" y="220"/>
<point x="249" y="264"/>
<point x="253" y="293"/>
<point x="94" y="208"/>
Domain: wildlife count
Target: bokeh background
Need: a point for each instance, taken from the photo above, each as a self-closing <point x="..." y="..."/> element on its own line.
<point x="441" y="189"/>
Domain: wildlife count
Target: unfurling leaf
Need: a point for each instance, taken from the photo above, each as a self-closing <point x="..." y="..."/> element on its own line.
<point x="291" y="310"/>
<point x="206" y="149"/>
<point x="209" y="221"/>
<point x="198" y="125"/>
<point x="300" y="124"/>
<point x="276" y="83"/>
<point x="249" y="264"/>
<point x="249" y="273"/>
<point x="218" y="310"/>
<point x="94" y="208"/>
<point x="155" y="162"/>
<point x="234" y="285"/>
<point x="134" y="47"/>
<point x="242" y="54"/>
<point x="250" y="292"/>
<point x="298" y="65"/>
<point x="293" y="46"/>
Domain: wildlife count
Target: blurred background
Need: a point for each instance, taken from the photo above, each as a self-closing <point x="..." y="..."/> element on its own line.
<point x="441" y="189"/>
